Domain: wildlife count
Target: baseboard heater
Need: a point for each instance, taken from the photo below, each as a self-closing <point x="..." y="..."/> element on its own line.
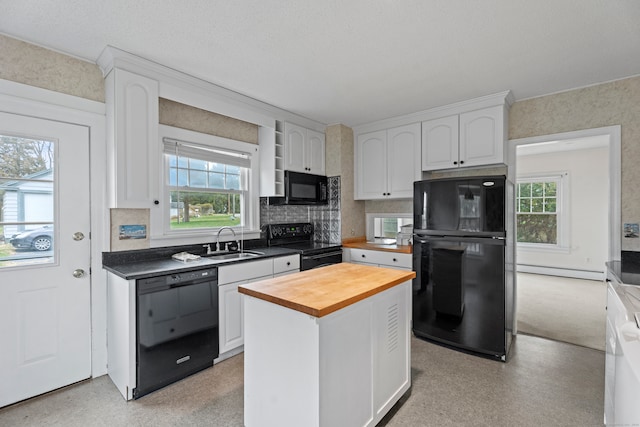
<point x="562" y="272"/>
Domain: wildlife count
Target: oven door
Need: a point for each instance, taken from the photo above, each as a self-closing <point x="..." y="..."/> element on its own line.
<point x="320" y="260"/>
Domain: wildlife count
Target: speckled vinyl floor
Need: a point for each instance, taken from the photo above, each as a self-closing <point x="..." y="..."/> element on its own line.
<point x="544" y="383"/>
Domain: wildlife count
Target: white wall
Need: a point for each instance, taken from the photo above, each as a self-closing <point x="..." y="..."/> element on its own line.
<point x="588" y="197"/>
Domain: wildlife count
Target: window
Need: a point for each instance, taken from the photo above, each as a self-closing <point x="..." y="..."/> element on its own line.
<point x="385" y="227"/>
<point x="208" y="186"/>
<point x="26" y="201"/>
<point x="538" y="210"/>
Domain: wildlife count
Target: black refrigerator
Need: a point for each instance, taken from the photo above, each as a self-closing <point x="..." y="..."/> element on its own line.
<point x="462" y="256"/>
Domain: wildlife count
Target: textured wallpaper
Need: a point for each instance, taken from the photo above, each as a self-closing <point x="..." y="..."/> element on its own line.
<point x="607" y="104"/>
<point x="187" y="117"/>
<point x="339" y="161"/>
<point x="35" y="66"/>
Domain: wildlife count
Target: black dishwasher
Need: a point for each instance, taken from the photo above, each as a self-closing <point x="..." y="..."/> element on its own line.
<point x="176" y="328"/>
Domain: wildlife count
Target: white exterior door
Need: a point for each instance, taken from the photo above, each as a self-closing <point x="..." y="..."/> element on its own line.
<point x="45" y="326"/>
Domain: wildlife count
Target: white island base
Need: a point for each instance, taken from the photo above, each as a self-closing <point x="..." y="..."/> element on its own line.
<point x="347" y="368"/>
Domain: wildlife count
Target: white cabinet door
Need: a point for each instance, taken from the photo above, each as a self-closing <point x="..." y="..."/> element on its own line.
<point x="474" y="138"/>
<point x="387" y="162"/>
<point x="482" y="137"/>
<point x="286" y="264"/>
<point x="294" y="141"/>
<point x="371" y="165"/>
<point x="304" y="149"/>
<point x="231" y="317"/>
<point x="403" y="160"/>
<point x="244" y="271"/>
<point x="440" y="143"/>
<point x="315" y="147"/>
<point x="137" y="151"/>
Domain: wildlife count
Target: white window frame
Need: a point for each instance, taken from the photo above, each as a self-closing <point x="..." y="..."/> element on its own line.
<point x="251" y="228"/>
<point x="562" y="211"/>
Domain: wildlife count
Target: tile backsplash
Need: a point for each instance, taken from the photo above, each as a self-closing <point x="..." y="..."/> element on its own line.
<point x="325" y="218"/>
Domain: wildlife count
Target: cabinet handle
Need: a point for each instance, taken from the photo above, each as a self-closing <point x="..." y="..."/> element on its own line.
<point x="461" y="162"/>
<point x="455" y="163"/>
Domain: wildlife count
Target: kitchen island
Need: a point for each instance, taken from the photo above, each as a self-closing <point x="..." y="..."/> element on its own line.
<point x="326" y="347"/>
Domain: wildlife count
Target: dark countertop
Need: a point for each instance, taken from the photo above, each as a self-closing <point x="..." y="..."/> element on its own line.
<point x="133" y="265"/>
<point x="626" y="271"/>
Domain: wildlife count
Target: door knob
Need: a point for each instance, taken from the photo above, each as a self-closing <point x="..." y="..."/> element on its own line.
<point x="78" y="235"/>
<point x="78" y="273"/>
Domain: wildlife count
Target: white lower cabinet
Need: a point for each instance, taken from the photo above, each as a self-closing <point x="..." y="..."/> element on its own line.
<point x="231" y="310"/>
<point x="622" y="356"/>
<point x="400" y="261"/>
<point x="286" y="265"/>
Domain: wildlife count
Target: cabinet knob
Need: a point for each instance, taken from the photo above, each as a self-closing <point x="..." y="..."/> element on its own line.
<point x="461" y="162"/>
<point x="156" y="202"/>
<point x="455" y="163"/>
<point x="363" y="256"/>
<point x="395" y="260"/>
<point x="288" y="263"/>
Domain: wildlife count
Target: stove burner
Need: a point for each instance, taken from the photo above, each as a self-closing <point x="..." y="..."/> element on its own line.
<point x="299" y="237"/>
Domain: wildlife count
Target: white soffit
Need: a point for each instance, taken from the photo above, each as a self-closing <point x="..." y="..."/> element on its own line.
<point x="353" y="61"/>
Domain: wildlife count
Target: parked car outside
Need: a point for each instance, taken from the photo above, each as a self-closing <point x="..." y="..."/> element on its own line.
<point x="39" y="239"/>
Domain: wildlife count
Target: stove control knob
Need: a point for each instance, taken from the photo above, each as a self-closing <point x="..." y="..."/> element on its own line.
<point x="307" y="229"/>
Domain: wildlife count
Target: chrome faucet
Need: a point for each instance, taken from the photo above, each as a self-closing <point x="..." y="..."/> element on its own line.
<point x="218" y="236"/>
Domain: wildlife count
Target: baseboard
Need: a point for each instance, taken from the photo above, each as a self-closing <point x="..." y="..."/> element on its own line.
<point x="562" y="272"/>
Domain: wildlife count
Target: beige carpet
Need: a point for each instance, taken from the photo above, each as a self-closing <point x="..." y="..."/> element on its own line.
<point x="562" y="309"/>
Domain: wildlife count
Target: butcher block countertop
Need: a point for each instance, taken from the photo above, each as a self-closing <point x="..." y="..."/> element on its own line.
<point x="322" y="291"/>
<point x="361" y="243"/>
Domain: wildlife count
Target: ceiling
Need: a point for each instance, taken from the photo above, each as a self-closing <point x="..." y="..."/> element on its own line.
<point x="354" y="61"/>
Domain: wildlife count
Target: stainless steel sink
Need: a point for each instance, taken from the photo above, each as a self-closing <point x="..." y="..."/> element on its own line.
<point x="233" y="255"/>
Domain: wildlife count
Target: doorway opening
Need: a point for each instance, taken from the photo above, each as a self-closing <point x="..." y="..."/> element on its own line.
<point x="568" y="225"/>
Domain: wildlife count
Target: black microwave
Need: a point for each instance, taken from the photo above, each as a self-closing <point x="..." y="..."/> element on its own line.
<point x="303" y="189"/>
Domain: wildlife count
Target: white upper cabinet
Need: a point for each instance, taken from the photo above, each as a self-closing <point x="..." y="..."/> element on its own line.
<point x="472" y="138"/>
<point x="133" y="100"/>
<point x="304" y="149"/>
<point x="387" y="162"/>
<point x="482" y="136"/>
<point x="440" y="143"/>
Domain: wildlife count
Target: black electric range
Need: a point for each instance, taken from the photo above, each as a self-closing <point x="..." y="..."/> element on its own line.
<point x="299" y="237"/>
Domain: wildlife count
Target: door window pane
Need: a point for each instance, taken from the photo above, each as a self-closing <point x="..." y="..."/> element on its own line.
<point x="26" y="201"/>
